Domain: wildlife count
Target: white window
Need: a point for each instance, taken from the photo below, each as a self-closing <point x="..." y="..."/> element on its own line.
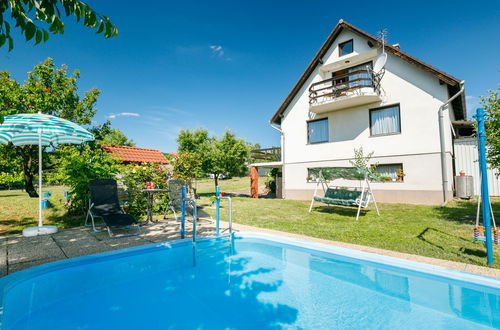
<point x="390" y="171"/>
<point x="386" y="120"/>
<point x="317" y="131"/>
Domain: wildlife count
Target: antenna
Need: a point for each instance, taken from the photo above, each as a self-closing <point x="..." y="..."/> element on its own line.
<point x="382" y="35"/>
<point x="382" y="59"/>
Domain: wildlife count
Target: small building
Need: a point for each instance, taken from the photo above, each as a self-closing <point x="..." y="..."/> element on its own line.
<point x="135" y="155"/>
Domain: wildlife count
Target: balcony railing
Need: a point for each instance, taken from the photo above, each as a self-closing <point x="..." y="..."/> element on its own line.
<point x="352" y="84"/>
<point x="266" y="155"/>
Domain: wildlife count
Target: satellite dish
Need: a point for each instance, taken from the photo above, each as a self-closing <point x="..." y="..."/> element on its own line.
<point x="380" y="63"/>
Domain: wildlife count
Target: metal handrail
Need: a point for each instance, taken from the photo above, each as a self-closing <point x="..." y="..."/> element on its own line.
<point x="230" y="213"/>
<point x="337" y="86"/>
<point x="195" y="216"/>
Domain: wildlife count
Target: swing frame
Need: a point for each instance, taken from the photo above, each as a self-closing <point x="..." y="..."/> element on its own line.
<point x="362" y="202"/>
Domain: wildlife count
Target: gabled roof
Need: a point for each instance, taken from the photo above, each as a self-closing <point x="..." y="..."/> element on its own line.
<point x="452" y="82"/>
<point x="135" y="155"/>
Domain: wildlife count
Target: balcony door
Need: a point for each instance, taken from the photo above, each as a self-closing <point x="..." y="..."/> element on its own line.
<point x="353" y="77"/>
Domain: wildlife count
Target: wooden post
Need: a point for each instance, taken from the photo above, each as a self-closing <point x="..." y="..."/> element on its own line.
<point x="254" y="182"/>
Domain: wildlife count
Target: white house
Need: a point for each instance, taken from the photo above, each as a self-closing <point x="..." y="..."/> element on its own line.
<point x="341" y="103"/>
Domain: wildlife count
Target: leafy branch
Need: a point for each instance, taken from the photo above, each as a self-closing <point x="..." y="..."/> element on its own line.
<point x="28" y="13"/>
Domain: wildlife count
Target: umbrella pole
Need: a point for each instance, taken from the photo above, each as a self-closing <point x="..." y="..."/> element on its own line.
<point x="39" y="178"/>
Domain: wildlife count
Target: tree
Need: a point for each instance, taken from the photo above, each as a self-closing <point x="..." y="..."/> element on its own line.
<point x="29" y="14"/>
<point x="187" y="165"/>
<point x="491" y="104"/>
<point x="192" y="141"/>
<point x="49" y="90"/>
<point x="225" y="157"/>
<point x="104" y="134"/>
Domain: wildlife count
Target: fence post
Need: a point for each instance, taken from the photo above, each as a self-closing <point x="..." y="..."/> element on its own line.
<point x="485" y="203"/>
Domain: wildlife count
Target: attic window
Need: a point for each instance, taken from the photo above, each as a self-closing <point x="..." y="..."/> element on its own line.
<point x="345" y="48"/>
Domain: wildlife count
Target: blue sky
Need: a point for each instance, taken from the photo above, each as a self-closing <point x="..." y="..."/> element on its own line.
<point x="229" y="64"/>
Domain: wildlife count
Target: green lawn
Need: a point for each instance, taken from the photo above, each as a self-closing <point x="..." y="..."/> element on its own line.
<point x="439" y="232"/>
<point x="207" y="186"/>
<point x="18" y="211"/>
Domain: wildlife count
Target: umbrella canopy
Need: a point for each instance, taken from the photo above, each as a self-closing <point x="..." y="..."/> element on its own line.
<point x="26" y="128"/>
<point x="42" y="130"/>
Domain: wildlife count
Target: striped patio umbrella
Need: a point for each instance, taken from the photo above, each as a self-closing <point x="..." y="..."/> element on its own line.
<point x="42" y="130"/>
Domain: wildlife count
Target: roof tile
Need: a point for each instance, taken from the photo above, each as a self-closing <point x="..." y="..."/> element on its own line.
<point x="136" y="155"/>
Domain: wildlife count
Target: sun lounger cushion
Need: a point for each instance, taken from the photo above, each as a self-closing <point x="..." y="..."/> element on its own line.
<point x="342" y="197"/>
<point x="118" y="220"/>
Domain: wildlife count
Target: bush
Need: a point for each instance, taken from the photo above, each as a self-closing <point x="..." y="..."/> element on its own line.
<point x="11" y="180"/>
<point x="135" y="176"/>
<point x="80" y="165"/>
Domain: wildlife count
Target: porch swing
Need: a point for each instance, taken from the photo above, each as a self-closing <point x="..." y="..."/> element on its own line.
<point x="335" y="195"/>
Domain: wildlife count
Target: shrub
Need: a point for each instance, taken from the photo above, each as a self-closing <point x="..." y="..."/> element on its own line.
<point x="79" y="165"/>
<point x="135" y="176"/>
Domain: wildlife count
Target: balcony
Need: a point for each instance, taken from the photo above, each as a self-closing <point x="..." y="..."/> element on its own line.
<point x="344" y="91"/>
<point x="266" y="155"/>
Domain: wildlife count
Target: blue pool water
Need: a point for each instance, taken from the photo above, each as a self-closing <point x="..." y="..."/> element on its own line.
<point x="258" y="282"/>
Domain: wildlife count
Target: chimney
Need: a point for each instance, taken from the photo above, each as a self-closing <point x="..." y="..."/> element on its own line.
<point x="397" y="46"/>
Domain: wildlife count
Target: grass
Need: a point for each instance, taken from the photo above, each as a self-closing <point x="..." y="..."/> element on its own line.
<point x="18" y="211"/>
<point x="206" y="186"/>
<point x="432" y="231"/>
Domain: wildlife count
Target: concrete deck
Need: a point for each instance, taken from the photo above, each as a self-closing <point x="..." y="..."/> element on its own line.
<point x="18" y="252"/>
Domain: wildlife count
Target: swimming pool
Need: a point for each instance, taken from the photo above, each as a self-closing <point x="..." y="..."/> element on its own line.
<point x="257" y="281"/>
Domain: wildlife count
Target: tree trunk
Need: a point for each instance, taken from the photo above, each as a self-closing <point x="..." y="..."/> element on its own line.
<point x="28" y="173"/>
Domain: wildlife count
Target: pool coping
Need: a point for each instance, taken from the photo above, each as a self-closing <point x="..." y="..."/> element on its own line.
<point x="455" y="265"/>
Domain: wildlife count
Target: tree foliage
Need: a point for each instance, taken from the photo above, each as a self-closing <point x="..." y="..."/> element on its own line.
<point x="49" y="90"/>
<point x="192" y="141"/>
<point x="80" y="164"/>
<point x="226" y="156"/>
<point x="134" y="177"/>
<point x="36" y="19"/>
<point x="491" y="104"/>
<point x="187" y="166"/>
<point x="105" y="134"/>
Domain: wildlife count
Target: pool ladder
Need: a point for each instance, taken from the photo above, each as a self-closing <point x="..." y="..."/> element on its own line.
<point x="217" y="233"/>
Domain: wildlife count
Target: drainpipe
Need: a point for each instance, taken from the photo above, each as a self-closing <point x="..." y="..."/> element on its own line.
<point x="282" y="144"/>
<point x="442" y="142"/>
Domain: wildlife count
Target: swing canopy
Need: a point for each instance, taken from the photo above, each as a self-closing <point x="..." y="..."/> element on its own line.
<point x="346" y="173"/>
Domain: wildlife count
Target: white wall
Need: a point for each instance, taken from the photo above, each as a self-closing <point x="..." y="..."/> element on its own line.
<point x="419" y="94"/>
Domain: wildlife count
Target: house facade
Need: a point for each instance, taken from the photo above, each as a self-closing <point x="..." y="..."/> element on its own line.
<point x="346" y="100"/>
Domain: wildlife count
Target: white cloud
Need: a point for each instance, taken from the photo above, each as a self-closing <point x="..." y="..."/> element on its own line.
<point x="123" y="114"/>
<point x="218" y="51"/>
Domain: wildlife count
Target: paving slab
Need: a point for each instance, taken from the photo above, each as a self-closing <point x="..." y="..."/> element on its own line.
<point x="23" y="249"/>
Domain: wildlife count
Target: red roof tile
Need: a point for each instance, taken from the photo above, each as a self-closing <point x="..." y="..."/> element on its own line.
<point x="136" y="155"/>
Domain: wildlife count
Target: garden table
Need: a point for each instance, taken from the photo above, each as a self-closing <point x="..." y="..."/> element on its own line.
<point x="150" y="193"/>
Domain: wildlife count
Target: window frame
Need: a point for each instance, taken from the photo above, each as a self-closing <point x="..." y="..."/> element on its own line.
<point x="314" y="120"/>
<point x="398" y="166"/>
<point x="342" y="44"/>
<point x="382" y="108"/>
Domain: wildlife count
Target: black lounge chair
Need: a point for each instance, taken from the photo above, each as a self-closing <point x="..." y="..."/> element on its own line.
<point x="104" y="204"/>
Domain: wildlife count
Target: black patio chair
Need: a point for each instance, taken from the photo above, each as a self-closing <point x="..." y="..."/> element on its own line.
<point x="104" y="204"/>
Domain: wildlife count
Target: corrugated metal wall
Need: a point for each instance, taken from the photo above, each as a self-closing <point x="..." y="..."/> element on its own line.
<point x="466" y="160"/>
